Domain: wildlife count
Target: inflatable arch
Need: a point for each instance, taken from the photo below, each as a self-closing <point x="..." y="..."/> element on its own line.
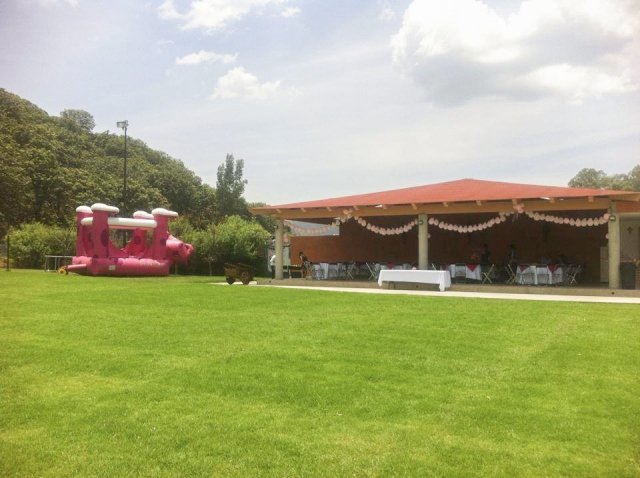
<point x="97" y="256"/>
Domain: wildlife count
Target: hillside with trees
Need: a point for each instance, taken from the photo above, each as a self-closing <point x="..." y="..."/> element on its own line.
<point x="51" y="164"/>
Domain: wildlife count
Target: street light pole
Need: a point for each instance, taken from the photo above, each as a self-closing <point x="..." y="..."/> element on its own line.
<point x="124" y="124"/>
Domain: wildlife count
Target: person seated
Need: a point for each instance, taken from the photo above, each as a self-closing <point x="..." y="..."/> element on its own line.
<point x="485" y="257"/>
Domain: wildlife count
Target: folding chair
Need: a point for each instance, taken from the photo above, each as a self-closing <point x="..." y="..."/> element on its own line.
<point x="350" y="271"/>
<point x="489" y="274"/>
<point x="374" y="270"/>
<point x="573" y="271"/>
<point x="511" y="274"/>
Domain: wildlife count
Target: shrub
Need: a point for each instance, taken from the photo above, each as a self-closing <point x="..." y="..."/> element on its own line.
<point x="238" y="240"/>
<point x="31" y="242"/>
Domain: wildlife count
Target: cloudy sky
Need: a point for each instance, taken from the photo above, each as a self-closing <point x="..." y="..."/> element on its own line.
<point x="326" y="98"/>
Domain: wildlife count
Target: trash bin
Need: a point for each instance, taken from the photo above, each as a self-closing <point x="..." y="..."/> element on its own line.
<point x="628" y="275"/>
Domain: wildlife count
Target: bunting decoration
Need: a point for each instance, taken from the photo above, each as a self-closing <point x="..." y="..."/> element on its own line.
<point x="576" y="222"/>
<point x="502" y="217"/>
<point x="432" y="221"/>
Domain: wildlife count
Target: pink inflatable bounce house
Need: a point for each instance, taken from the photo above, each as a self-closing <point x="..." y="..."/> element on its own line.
<point x="150" y="252"/>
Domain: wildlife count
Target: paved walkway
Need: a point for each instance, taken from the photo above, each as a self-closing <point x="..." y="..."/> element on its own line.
<point x="474" y="295"/>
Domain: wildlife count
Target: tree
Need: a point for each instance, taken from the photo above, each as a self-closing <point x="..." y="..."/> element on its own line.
<point x="267" y="222"/>
<point x="81" y="118"/>
<point x="589" y="178"/>
<point x="592" y="178"/>
<point x="230" y="188"/>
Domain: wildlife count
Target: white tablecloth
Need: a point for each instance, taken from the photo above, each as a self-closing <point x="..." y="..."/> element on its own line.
<point x="441" y="278"/>
<point x="539" y="274"/>
<point x="466" y="269"/>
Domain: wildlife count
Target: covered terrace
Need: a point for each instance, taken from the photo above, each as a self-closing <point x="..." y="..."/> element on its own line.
<point x="445" y="221"/>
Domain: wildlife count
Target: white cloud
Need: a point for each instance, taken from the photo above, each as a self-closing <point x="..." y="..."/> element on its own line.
<point x="290" y="12"/>
<point x="204" y="56"/>
<point x="462" y="49"/>
<point x="212" y="15"/>
<point x="238" y="83"/>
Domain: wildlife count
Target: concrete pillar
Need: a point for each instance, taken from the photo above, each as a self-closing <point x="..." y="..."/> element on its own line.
<point x="423" y="243"/>
<point x="614" y="248"/>
<point x="279" y="248"/>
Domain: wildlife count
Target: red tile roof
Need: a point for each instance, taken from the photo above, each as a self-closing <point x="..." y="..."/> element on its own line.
<point x="462" y="190"/>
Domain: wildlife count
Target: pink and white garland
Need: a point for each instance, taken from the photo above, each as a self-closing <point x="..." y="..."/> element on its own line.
<point x="466" y="229"/>
<point x="502" y="217"/>
<point x="579" y="222"/>
<point x="386" y="231"/>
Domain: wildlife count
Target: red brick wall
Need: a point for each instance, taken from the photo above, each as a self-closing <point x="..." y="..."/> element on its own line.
<point x="533" y="240"/>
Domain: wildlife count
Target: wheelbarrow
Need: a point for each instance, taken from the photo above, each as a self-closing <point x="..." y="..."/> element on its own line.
<point x="242" y="272"/>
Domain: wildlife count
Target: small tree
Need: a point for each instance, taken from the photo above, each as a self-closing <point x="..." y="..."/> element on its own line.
<point x="238" y="240"/>
<point x="230" y="188"/>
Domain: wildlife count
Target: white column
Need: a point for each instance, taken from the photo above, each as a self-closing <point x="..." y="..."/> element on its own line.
<point x="614" y="248"/>
<point x="279" y="248"/>
<point x="423" y="243"/>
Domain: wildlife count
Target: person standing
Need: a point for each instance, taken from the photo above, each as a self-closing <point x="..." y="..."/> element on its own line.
<point x="485" y="257"/>
<point x="272" y="264"/>
<point x="513" y="257"/>
<point x="304" y="262"/>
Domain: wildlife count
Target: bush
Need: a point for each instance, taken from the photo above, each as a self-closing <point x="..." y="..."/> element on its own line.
<point x="31" y="242"/>
<point x="239" y="240"/>
<point x="233" y="240"/>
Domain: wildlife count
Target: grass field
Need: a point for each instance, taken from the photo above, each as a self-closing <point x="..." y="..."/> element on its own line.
<point x="178" y="377"/>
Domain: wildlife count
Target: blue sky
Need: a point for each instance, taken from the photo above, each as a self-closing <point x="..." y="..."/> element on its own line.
<point x="330" y="98"/>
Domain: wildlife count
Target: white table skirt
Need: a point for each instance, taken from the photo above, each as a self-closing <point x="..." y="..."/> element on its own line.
<point x="475" y="274"/>
<point x="441" y="278"/>
<point x="539" y="275"/>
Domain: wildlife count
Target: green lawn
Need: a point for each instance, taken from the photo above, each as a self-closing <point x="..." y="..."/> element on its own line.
<point x="178" y="377"/>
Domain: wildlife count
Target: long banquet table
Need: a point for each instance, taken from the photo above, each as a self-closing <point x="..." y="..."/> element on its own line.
<point x="539" y="274"/>
<point x="440" y="278"/>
